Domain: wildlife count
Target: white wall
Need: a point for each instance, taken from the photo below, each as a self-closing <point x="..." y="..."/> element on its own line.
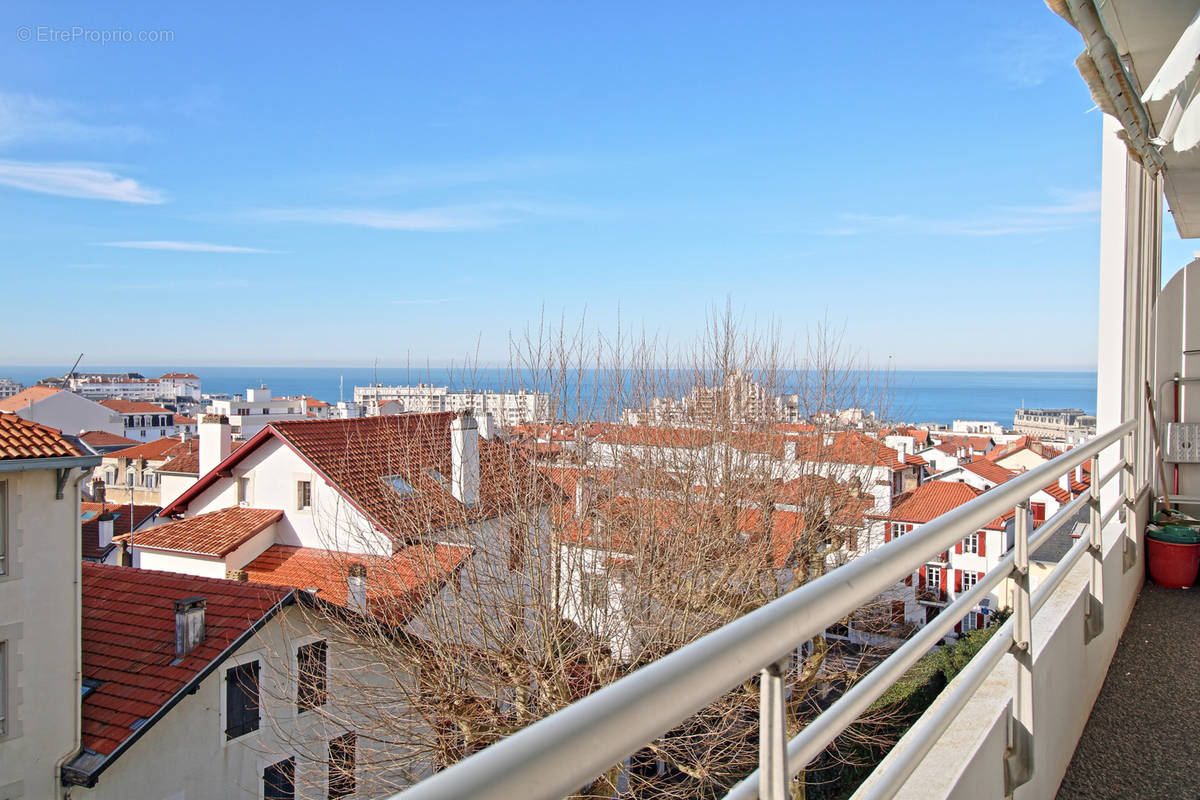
<point x="39" y="622"/>
<point x="274" y="469"/>
<point x="72" y="414"/>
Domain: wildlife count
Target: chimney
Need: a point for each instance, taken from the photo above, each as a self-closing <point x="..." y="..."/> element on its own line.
<point x="356" y="587"/>
<point x="487" y="426"/>
<point x="236" y="575"/>
<point x="583" y="497"/>
<point x="900" y="456"/>
<point x="98" y="490"/>
<point x="1079" y="474"/>
<point x="1065" y="483"/>
<point x="105" y="529"/>
<point x="125" y="557"/>
<point x="189" y="624"/>
<point x="464" y="459"/>
<point x="184" y="436"/>
<point x="215" y="441"/>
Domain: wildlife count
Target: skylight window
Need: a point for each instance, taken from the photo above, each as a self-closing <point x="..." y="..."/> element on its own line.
<point x="88" y="686"/>
<point x="400" y="486"/>
<point x="439" y="477"/>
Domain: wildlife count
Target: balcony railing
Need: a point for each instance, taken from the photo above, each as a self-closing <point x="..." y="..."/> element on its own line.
<point x="555" y="756"/>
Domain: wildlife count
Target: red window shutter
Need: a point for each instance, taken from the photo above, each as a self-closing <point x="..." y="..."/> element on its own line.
<point x="979" y="620"/>
<point x="958" y="548"/>
<point x="1039" y="513"/>
<point x="887" y="533"/>
<point x="921" y="579"/>
<point x="983" y="543"/>
<point x="958" y="627"/>
<point x="958" y="580"/>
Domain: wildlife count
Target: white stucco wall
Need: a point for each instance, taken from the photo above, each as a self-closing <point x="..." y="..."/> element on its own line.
<point x="274" y="469"/>
<point x="72" y="414"/>
<point x="186" y="753"/>
<point x="39" y="624"/>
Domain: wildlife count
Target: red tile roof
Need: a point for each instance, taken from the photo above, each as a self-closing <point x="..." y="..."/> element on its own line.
<point x="20" y="438"/>
<point x="133" y="407"/>
<point x="930" y="500"/>
<point x="105" y="439"/>
<point x="24" y="397"/>
<point x="851" y="447"/>
<point x="217" y="533"/>
<point x="989" y="470"/>
<point x="397" y="585"/>
<point x="90" y="527"/>
<point x="157" y="450"/>
<point x="170" y="375"/>
<point x="358" y="457"/>
<point x="189" y="462"/>
<point x="128" y="641"/>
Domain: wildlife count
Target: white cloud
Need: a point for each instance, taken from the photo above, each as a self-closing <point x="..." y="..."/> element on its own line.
<point x="1072" y="210"/>
<point x="24" y="117"/>
<point x="476" y="216"/>
<point x="185" y="247"/>
<point x="73" y="180"/>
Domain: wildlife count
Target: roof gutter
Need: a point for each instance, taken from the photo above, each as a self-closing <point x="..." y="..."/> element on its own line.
<point x="1111" y="86"/>
<point x="55" y="462"/>
<point x="89" y="777"/>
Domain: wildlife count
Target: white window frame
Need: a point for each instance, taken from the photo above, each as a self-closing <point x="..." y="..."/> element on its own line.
<point x="901" y="528"/>
<point x="300" y="505"/>
<point x="969" y="579"/>
<point x="971" y="544"/>
<point x="933" y="578"/>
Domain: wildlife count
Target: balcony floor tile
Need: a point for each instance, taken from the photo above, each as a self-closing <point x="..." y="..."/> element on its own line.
<point x="1143" y="737"/>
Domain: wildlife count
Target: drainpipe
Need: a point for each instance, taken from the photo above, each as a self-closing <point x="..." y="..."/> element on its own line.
<point x="76" y="635"/>
<point x="1111" y="86"/>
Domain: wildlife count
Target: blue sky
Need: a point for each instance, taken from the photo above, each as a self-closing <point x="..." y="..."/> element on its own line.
<point x="331" y="184"/>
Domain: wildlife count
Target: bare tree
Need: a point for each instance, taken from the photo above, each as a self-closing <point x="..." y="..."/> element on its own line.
<point x="672" y="491"/>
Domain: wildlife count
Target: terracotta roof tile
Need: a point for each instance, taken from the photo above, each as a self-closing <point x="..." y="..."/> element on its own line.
<point x="133" y="406"/>
<point x="989" y="470"/>
<point x="397" y="585"/>
<point x="217" y="533"/>
<point x="128" y="641"/>
<point x="24" y="397"/>
<point x="105" y="439"/>
<point x="160" y="449"/>
<point x="91" y="514"/>
<point x="20" y="438"/>
<point x="189" y="462"/>
<point x="931" y="500"/>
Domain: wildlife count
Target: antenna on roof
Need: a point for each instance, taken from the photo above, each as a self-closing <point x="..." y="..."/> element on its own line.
<point x="341" y="388"/>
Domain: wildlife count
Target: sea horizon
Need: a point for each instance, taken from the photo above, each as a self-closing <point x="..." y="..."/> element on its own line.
<point x="917" y="395"/>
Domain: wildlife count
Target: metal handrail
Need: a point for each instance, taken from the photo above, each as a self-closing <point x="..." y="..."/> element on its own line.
<point x="568" y="749"/>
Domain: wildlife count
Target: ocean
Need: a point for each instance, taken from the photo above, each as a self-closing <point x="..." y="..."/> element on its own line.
<point x="917" y="395"/>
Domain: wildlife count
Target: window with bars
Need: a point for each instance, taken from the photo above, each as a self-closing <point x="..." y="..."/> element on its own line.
<point x="279" y="780"/>
<point x="241" y="700"/>
<point x="312" y="685"/>
<point x="342" y="756"/>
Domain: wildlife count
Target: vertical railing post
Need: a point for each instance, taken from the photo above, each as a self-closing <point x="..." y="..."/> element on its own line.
<point x="1018" y="761"/>
<point x="1129" y="551"/>
<point x="1093" y="620"/>
<point x="772" y="733"/>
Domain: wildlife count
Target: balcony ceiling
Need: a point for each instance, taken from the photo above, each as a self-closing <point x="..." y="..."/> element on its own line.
<point x="1144" y="32"/>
